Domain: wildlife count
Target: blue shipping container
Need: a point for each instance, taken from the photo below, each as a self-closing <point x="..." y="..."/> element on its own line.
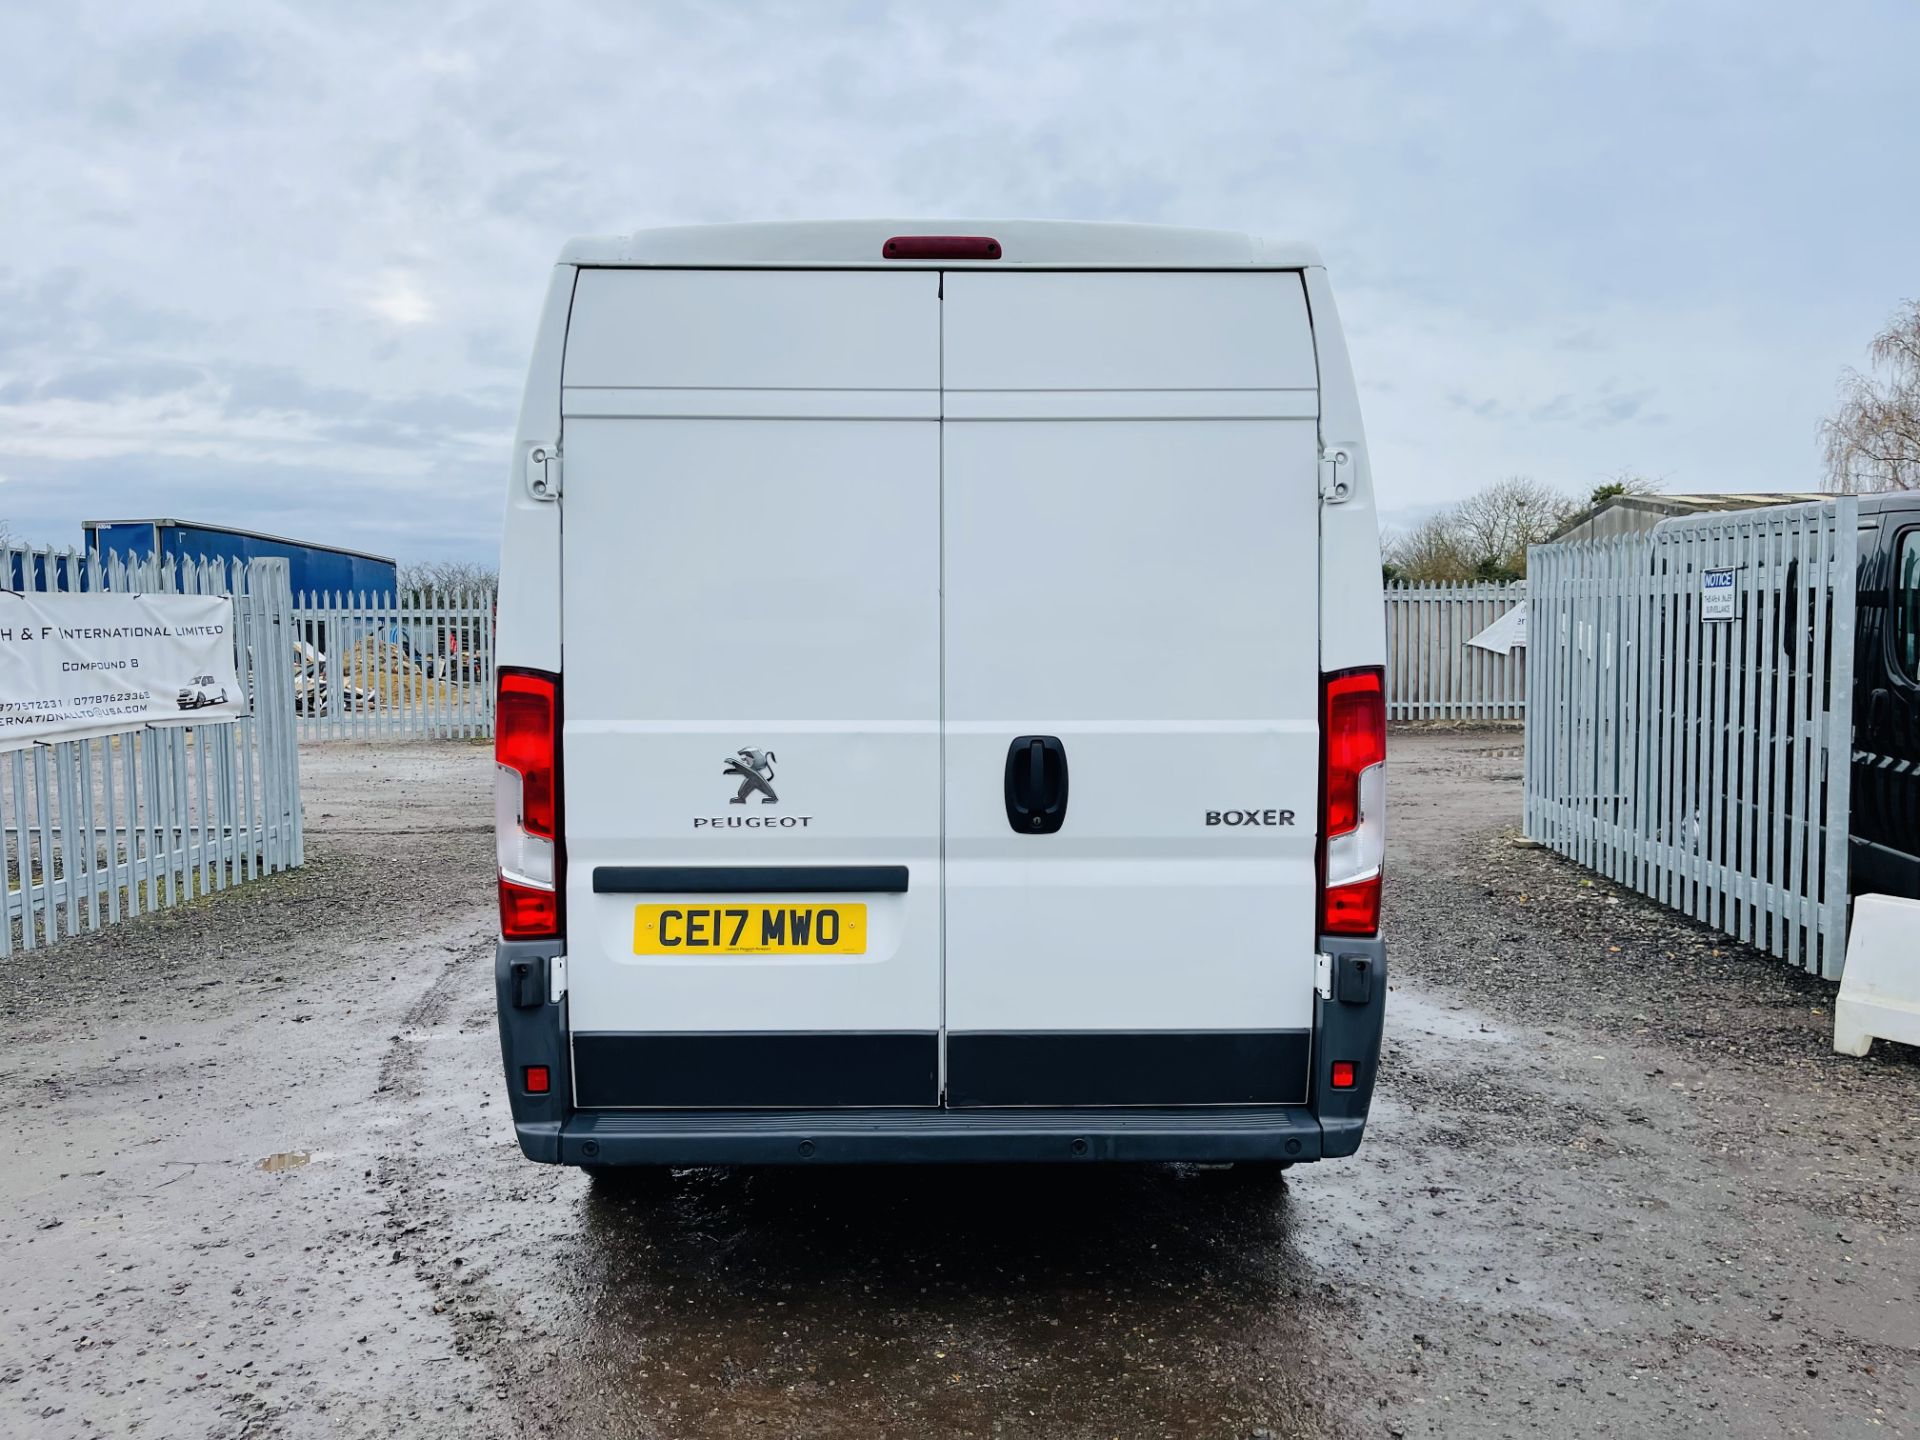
<point x="311" y="568"/>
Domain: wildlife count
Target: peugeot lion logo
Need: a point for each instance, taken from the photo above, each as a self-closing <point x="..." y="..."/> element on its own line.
<point x="755" y="769"/>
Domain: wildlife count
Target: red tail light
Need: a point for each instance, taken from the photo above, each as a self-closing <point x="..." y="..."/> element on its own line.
<point x="526" y="804"/>
<point x="1354" y="818"/>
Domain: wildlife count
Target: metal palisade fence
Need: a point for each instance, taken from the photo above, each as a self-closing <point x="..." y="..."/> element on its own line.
<point x="1689" y="718"/>
<point x="413" y="665"/>
<point x="419" y="665"/>
<point x="96" y="830"/>
<point x="1433" y="673"/>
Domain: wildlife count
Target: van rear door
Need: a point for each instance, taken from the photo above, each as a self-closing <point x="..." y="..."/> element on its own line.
<point x="1131" y="553"/>
<point x="751" y="686"/>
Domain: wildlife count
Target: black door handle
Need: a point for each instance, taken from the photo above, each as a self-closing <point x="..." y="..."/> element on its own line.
<point x="1036" y="784"/>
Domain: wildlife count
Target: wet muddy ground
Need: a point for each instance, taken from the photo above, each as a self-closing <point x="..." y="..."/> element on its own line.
<point x="259" y="1180"/>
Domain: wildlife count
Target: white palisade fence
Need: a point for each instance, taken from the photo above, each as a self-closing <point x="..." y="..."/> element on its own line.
<point x="412" y="666"/>
<point x="1433" y="673"/>
<point x="97" y="830"/>
<point x="1703" y="761"/>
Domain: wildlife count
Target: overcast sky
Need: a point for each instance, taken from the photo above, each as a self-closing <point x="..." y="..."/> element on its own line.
<point x="278" y="266"/>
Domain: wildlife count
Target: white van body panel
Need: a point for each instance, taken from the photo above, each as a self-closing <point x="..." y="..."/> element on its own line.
<point x="1046" y="331"/>
<point x="527" y="629"/>
<point x="1353" y="618"/>
<point x="754" y="330"/>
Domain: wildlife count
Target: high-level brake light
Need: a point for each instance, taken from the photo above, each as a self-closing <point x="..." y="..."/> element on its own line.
<point x="526" y="804"/>
<point x="941" y="247"/>
<point x="1354" y="820"/>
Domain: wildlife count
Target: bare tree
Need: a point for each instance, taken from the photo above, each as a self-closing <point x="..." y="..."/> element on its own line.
<point x="1873" y="439"/>
<point x="1429" y="553"/>
<point x="448" y="577"/>
<point x="1484" y="537"/>
<point x="1497" y="524"/>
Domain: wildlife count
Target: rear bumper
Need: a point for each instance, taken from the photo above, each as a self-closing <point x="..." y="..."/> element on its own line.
<point x="858" y="1137"/>
<point x="533" y="1032"/>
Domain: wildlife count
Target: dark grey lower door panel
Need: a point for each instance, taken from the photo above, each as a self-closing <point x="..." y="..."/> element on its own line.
<point x="753" y="1069"/>
<point x="1111" y="1067"/>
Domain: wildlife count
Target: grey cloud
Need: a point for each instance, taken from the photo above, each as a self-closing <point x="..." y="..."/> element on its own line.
<point x="109" y="380"/>
<point x="63" y="309"/>
<point x="494" y="350"/>
<point x="1632" y="407"/>
<point x="1618" y="409"/>
<point x="1584" y="340"/>
<point x="279" y="389"/>
<point x="212" y="64"/>
<point x="1487" y="407"/>
<point x="367" y="417"/>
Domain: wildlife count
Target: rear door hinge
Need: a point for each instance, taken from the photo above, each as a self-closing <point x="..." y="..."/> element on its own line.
<point x="556" y="979"/>
<point x="1336" y="475"/>
<point x="1323" y="976"/>
<point x="543" y="470"/>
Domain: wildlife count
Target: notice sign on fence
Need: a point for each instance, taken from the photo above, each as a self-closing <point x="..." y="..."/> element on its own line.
<point x="1717" y="594"/>
<point x="90" y="664"/>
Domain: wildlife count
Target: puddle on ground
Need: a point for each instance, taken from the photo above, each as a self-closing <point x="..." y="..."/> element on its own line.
<point x="1408" y="1011"/>
<point x="286" y="1160"/>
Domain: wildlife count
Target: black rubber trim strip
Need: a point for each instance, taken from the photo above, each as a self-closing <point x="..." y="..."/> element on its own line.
<point x="864" y="1136"/>
<point x="754" y="1069"/>
<point x="749" y="879"/>
<point x="1145" y="1067"/>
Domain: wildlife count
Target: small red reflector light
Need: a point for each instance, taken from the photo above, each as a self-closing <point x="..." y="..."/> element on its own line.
<point x="527" y="912"/>
<point x="539" y="1080"/>
<point x="1343" y="1074"/>
<point x="941" y="247"/>
<point x="1352" y="909"/>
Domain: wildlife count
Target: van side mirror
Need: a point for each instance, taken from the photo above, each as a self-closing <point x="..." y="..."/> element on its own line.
<point x="1879" y="712"/>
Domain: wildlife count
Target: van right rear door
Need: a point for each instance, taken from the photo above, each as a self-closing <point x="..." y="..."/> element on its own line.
<point x="1130" y="546"/>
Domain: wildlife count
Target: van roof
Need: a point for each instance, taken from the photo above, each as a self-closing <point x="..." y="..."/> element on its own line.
<point x="1891" y="502"/>
<point x="1073" y="244"/>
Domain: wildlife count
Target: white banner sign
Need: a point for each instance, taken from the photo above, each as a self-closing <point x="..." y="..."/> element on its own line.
<point x="78" y="665"/>
<point x="1506" y="634"/>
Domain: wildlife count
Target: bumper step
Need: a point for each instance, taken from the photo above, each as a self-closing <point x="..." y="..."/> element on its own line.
<point x="866" y="1136"/>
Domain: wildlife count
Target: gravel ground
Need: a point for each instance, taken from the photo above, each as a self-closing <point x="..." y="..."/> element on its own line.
<point x="261" y="1182"/>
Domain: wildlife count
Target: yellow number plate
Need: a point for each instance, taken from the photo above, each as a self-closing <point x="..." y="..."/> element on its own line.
<point x="750" y="930"/>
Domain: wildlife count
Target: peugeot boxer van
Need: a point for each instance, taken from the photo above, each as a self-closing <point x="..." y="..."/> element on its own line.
<point x="940" y="702"/>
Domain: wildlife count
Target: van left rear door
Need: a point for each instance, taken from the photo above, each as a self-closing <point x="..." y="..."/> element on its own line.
<point x="750" y="689"/>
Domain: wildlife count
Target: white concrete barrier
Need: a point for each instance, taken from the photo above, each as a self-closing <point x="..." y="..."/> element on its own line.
<point x="1880" y="989"/>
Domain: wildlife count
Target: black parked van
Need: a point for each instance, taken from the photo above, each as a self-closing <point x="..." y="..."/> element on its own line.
<point x="1885" y="857"/>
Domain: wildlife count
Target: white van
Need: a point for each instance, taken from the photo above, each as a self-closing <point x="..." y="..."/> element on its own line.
<point x="940" y="707"/>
